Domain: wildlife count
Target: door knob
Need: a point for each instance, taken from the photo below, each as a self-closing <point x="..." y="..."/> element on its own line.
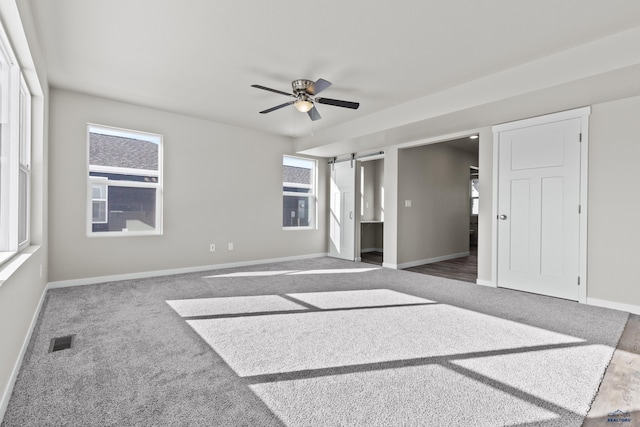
<point x="502" y="217"/>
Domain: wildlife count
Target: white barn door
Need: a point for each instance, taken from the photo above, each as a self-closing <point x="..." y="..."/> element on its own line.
<point x="538" y="209"/>
<point x="342" y="229"/>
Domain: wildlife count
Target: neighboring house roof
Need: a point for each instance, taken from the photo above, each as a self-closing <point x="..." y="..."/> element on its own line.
<point x="296" y="175"/>
<point x="116" y="151"/>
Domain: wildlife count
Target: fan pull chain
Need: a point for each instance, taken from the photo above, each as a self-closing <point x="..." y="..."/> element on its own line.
<point x="293" y="111"/>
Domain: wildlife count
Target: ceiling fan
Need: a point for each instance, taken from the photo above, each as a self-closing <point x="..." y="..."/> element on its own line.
<point x="305" y="92"/>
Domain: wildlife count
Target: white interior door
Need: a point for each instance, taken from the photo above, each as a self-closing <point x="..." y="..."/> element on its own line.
<point x="538" y="209"/>
<point x="342" y="229"/>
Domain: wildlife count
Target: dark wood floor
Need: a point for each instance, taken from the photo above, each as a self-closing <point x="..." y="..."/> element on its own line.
<point x="463" y="268"/>
<point x="372" y="257"/>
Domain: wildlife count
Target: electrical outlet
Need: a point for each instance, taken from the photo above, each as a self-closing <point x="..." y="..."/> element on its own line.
<point x="230" y="246"/>
<point x="212" y="247"/>
<point x="407" y="203"/>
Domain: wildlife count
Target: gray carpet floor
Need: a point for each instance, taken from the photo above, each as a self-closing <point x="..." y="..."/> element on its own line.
<point x="311" y="343"/>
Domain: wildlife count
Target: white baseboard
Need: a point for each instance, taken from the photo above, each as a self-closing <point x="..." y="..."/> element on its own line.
<point x="158" y="273"/>
<point x="614" y="305"/>
<point x="389" y="265"/>
<point x="6" y="395"/>
<point x="432" y="260"/>
<point x="488" y="283"/>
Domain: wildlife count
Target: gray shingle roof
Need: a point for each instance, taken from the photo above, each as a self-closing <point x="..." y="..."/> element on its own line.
<point x="116" y="151"/>
<point x="296" y="175"/>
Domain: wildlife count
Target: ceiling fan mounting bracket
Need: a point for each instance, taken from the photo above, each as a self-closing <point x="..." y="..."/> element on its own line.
<point x="301" y="85"/>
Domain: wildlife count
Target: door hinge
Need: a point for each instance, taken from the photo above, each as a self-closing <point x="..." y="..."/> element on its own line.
<point x="578" y="280"/>
<point x="580" y="138"/>
<point x="579" y="209"/>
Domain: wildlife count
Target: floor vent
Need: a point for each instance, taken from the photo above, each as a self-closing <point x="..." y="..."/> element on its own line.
<point x="61" y="343"/>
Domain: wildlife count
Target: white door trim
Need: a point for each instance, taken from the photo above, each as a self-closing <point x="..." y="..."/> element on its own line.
<point x="541" y="120"/>
<point x="582" y="113"/>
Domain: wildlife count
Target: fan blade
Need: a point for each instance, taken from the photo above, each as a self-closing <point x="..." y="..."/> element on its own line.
<point x="277" y="107"/>
<point x="313" y="114"/>
<point x="338" y="103"/>
<point x="318" y="87"/>
<point x="273" y="90"/>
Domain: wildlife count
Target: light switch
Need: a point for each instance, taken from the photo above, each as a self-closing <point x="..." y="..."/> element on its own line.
<point x="407" y="203"/>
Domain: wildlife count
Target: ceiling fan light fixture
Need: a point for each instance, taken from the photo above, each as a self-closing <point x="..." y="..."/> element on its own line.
<point x="304" y="92"/>
<point x="303" y="105"/>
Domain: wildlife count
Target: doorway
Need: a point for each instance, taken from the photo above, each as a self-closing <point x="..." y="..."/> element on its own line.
<point x="437" y="208"/>
<point x="371" y="210"/>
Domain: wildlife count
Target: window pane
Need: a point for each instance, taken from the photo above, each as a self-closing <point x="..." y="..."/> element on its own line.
<point x="131" y="160"/>
<point x="299" y="189"/>
<point x="130" y="209"/>
<point x="296" y="175"/>
<point x="23" y="200"/>
<point x="99" y="211"/>
<point x="475" y="187"/>
<point x="25" y="124"/>
<point x="98" y="191"/>
<point x="297" y="211"/>
<point x="119" y="150"/>
<point x="474" y="206"/>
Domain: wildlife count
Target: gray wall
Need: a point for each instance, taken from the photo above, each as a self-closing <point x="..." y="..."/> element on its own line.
<point x="435" y="178"/>
<point x="222" y="184"/>
<point x="390" y="180"/>
<point x="614" y="202"/>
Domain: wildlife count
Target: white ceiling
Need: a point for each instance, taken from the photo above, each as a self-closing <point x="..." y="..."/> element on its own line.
<point x="405" y="61"/>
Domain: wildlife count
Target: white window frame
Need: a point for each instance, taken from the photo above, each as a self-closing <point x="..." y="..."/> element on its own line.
<point x="15" y="154"/>
<point x="312" y="195"/>
<point x="24" y="163"/>
<point x="93" y="180"/>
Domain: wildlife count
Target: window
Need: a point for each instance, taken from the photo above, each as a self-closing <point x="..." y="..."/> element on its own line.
<point x="125" y="182"/>
<point x="299" y="193"/>
<point x="15" y="154"/>
<point x="475" y="195"/>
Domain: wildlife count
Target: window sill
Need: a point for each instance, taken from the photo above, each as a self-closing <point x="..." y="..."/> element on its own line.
<point x="124" y="233"/>
<point x="12" y="261"/>
<point x="298" y="228"/>
<point x="5" y="256"/>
